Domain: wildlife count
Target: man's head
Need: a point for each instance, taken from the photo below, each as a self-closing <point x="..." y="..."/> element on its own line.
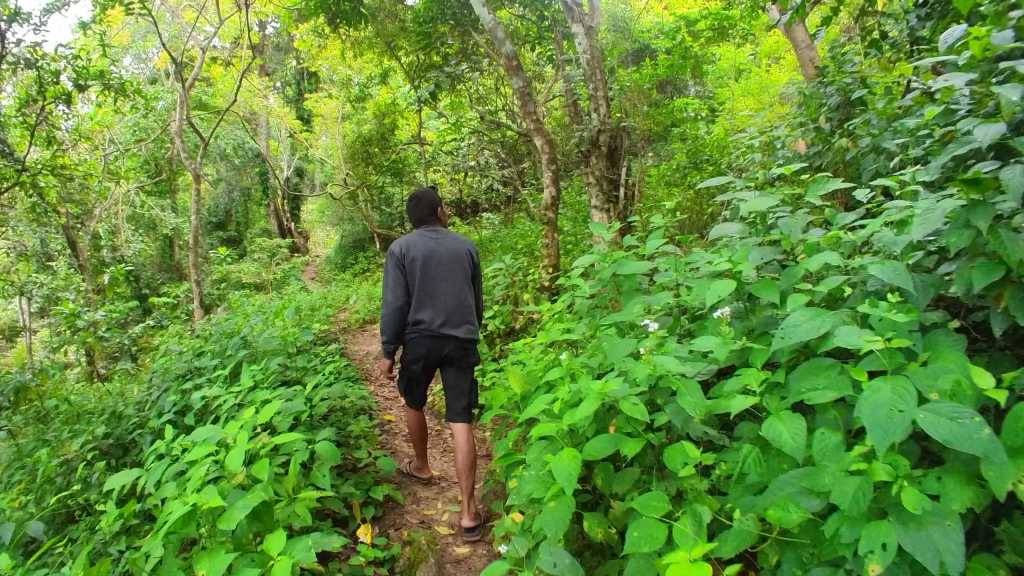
<point x="424" y="208"/>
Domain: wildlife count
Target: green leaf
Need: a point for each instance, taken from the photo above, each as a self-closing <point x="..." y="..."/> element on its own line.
<point x="122" y="478"/>
<point x="758" y="204"/>
<point x="787" y="431"/>
<point x="653" y="503"/>
<point x="914" y="501"/>
<point x="817" y="381"/>
<point x="282" y="567"/>
<point x="235" y="459"/>
<point x="554" y="560"/>
<point x="1012" y="179"/>
<point x="497" y="568"/>
<point x="261" y="469"/>
<point x="742" y="535"/>
<point x="681" y="455"/>
<point x="241" y="508"/>
<point x="989" y="133"/>
<point x="802" y="325"/>
<point x="274" y="542"/>
<point x="718" y="290"/>
<point x="645" y="535"/>
<point x="852" y="494"/>
<point x="981" y="377"/>
<point x="766" y="289"/>
<point x="632" y="406"/>
<point x="286" y="438"/>
<point x="934" y="538"/>
<point x="628" y="267"/>
<point x="212" y="562"/>
<point x="327" y="453"/>
<point x="886" y="407"/>
<point x="728" y="229"/>
<point x="565" y="467"/>
<point x="985" y="272"/>
<point x="893" y="272"/>
<point x="600" y="447"/>
<point x="716" y="181"/>
<point x="958" y="427"/>
<point x="878" y="545"/>
<point x="1012" y="431"/>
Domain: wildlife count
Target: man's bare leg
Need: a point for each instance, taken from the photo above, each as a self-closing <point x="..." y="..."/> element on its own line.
<point x="465" y="469"/>
<point x="416" y="424"/>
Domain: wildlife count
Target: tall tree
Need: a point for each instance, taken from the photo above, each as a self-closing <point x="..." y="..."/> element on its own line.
<point x="604" y="148"/>
<point x="193" y="155"/>
<point x="530" y="112"/>
<point x="790" y="20"/>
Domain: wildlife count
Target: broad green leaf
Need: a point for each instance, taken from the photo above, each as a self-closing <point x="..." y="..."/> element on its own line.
<point x="497" y="568"/>
<point x="213" y="562"/>
<point x="886" y="407"/>
<point x="914" y="501"/>
<point x="1012" y="179"/>
<point x="852" y="494"/>
<point x="654" y="503"/>
<point x="327" y="453"/>
<point x="817" y="381"/>
<point x="1012" y="431"/>
<point x="716" y="181"/>
<point x="958" y="427"/>
<point x="766" y="289"/>
<point x="728" y="229"/>
<point x="628" y="267"/>
<point x="632" y="406"/>
<point x="758" y="204"/>
<point x="600" y="447"/>
<point x="122" y="478"/>
<point x="268" y="411"/>
<point x="893" y="272"/>
<point x="274" y="542"/>
<point x="555" y="517"/>
<point x="690" y="397"/>
<point x="690" y="569"/>
<point x="982" y="378"/>
<point x="240" y="508"/>
<point x="597" y="527"/>
<point x="718" y="290"/>
<point x="989" y="133"/>
<point x="566" y="466"/>
<point x="261" y="469"/>
<point x="802" y="325"/>
<point x="878" y="545"/>
<point x="645" y="534"/>
<point x="235" y="459"/>
<point x="934" y="538"/>
<point x="985" y="272"/>
<point x="743" y="534"/>
<point x="282" y="567"/>
<point x="554" y="560"/>
<point x="787" y="431"/>
<point x="286" y="438"/>
<point x="681" y="455"/>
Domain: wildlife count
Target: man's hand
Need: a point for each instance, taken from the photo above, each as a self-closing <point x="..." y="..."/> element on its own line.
<point x="387" y="368"/>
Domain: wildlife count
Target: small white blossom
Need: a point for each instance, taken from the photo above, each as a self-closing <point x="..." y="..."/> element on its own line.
<point x="502" y="549"/>
<point x="722" y="313"/>
<point x="650" y="325"/>
<point x="643" y="350"/>
<point x="564" y="356"/>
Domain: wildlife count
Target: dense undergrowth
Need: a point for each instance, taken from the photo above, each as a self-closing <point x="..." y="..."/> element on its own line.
<point x="246" y="448"/>
<point x="831" y="383"/>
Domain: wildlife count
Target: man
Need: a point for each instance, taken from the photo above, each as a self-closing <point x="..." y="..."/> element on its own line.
<point x="432" y="307"/>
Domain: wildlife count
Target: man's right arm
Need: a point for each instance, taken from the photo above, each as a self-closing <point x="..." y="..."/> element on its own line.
<point x="394" y="308"/>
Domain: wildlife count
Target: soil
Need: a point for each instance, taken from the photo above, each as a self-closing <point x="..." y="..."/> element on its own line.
<point x="431" y="507"/>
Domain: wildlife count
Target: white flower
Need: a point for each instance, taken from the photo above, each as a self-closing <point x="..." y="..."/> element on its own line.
<point x="650" y="325"/>
<point x="564" y="356"/>
<point x="502" y="549"/>
<point x="643" y="350"/>
<point x="722" y="313"/>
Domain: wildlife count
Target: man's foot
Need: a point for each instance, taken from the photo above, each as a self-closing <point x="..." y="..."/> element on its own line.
<point x="473" y="530"/>
<point x="409" y="469"/>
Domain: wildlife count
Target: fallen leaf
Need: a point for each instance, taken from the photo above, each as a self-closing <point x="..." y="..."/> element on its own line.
<point x="444" y="530"/>
<point x="365" y="533"/>
<point x="389" y="417"/>
<point x="462" y="550"/>
<point x="430" y="512"/>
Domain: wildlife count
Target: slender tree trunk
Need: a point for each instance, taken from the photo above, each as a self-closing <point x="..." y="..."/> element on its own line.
<point x="569" y="98"/>
<point x="194" y="243"/>
<point x="25" y="320"/>
<point x="539" y="134"/>
<point x="78" y="252"/>
<point x="603" y="156"/>
<point x="795" y="31"/>
<point x="174" y="251"/>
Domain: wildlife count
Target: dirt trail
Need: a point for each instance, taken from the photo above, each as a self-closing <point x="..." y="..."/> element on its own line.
<point x="429" y="508"/>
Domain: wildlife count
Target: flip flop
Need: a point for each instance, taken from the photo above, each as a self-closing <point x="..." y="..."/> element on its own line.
<point x="406" y="468"/>
<point x="474" y="533"/>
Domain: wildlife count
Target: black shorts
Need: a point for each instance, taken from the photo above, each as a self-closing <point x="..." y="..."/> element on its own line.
<point x="423" y="356"/>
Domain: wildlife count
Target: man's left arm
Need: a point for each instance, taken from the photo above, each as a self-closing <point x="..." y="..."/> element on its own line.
<point x="478" y="289"/>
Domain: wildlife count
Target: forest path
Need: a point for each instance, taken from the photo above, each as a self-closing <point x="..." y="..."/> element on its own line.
<point x="430" y="508"/>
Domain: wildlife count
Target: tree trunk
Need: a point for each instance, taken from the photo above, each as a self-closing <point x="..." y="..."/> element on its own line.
<point x="795" y="31"/>
<point x="25" y="320"/>
<point x="79" y="253"/>
<point x="604" y="158"/>
<point x="194" y="243"/>
<point x="174" y="252"/>
<point x="539" y="134"/>
<point x="569" y="99"/>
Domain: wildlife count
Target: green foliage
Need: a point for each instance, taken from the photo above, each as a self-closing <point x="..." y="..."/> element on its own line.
<point x="247" y="447"/>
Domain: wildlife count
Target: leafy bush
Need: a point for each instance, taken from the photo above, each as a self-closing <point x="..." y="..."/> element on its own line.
<point x="792" y="395"/>
<point x="248" y="446"/>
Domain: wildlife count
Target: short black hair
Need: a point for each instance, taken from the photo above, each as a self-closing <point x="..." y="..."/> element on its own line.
<point x="422" y="205"/>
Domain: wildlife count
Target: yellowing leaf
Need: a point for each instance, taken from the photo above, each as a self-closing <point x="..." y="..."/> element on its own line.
<point x="389" y="417"/>
<point x="446" y="531"/>
<point x="365" y="533"/>
<point x="516" y="517"/>
<point x="462" y="550"/>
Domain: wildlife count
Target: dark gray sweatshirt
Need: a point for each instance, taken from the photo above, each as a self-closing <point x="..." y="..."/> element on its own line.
<point x="432" y="286"/>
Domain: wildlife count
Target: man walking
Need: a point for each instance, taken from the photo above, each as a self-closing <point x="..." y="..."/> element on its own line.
<point x="432" y="308"/>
